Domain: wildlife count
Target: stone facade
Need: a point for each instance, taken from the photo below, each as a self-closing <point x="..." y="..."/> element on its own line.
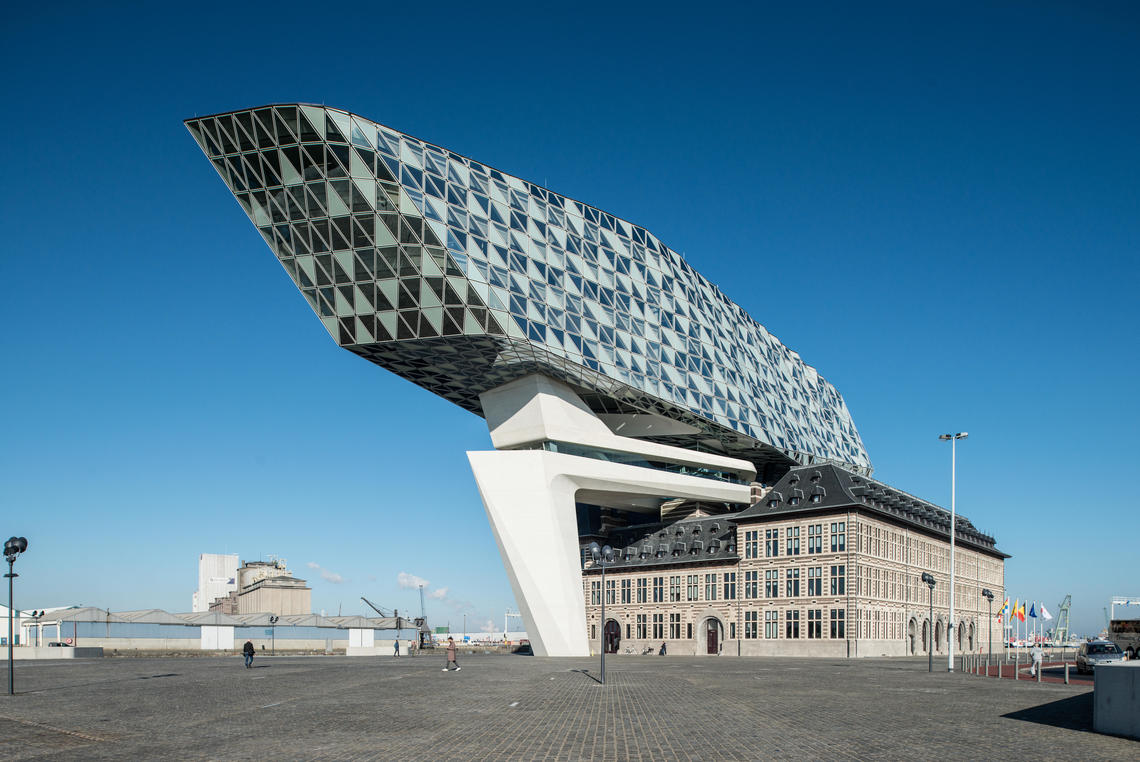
<point x="835" y="576"/>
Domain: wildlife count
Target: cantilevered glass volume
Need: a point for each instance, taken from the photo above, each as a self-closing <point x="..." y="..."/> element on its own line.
<point x="468" y="281"/>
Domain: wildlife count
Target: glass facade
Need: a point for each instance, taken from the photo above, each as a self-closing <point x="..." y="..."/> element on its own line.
<point x="461" y="278"/>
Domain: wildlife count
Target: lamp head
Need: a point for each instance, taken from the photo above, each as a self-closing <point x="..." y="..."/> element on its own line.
<point x="987" y="595"/>
<point x="13" y="547"/>
<point x="928" y="578"/>
<point x="595" y="550"/>
<point x="944" y="437"/>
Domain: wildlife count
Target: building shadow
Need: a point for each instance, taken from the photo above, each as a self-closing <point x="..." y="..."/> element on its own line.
<point x="1072" y="713"/>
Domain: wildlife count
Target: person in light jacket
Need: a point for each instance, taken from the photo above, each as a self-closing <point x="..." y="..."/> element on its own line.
<point x="451" y="656"/>
<point x="1037" y="655"/>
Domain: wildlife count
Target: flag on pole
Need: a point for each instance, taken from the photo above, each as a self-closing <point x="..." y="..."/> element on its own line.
<point x="1003" y="613"/>
<point x="1020" y="611"/>
<point x="1033" y="610"/>
<point x="1045" y="613"/>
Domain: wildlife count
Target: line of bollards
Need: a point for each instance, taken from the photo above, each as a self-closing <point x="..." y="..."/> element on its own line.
<point x="975" y="664"/>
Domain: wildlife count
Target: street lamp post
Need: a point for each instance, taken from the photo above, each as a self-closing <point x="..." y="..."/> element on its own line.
<point x="953" y="438"/>
<point x="989" y="596"/>
<point x="601" y="556"/>
<point x="273" y="634"/>
<point x="928" y="578"/>
<point x="12" y="548"/>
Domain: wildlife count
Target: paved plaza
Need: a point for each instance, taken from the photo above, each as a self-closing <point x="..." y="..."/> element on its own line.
<point x="503" y="707"/>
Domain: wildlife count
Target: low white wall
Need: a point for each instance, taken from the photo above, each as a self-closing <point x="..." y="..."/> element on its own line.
<point x="1116" y="699"/>
<point x="45" y="652"/>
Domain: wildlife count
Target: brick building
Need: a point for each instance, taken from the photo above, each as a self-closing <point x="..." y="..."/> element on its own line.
<point x="826" y="563"/>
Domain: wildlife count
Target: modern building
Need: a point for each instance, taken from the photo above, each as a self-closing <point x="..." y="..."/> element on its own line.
<point x="217" y="576"/>
<point x="266" y="587"/>
<point x="611" y="374"/>
<point x="826" y="563"/>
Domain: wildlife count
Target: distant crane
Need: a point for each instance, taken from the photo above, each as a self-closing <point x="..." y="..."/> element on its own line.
<point x="377" y="609"/>
<point x="1061" y="631"/>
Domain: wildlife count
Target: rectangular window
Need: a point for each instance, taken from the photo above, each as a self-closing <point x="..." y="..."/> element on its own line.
<point x="730" y="586"/>
<point x="611" y="591"/>
<point x="596" y="592"/>
<point x="732" y="630"/>
<point x="772" y="625"/>
<point x="658" y="626"/>
<point x="689" y="630"/>
<point x="641" y="628"/>
<point x="626" y="589"/>
<point x="793" y="541"/>
<point x="837" y="629"/>
<point x="839" y="537"/>
<point x="792" y="577"/>
<point x="772" y="583"/>
<point x="674" y="589"/>
<point x="839" y="580"/>
<point x="815" y="581"/>
<point x="791" y="624"/>
<point x="710" y="587"/>
<point x="771" y="543"/>
<point x="675" y="626"/>
<point x="750" y="624"/>
<point x="694" y="589"/>
<point x="658" y="589"/>
<point x="752" y="543"/>
<point x="815" y="624"/>
<point x="593" y="632"/>
<point x="642" y="590"/>
<point x="751" y="584"/>
<point x="815" y="538"/>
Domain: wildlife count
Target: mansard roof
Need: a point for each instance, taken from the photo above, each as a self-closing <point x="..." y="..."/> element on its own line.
<point x="819" y="488"/>
<point x="699" y="540"/>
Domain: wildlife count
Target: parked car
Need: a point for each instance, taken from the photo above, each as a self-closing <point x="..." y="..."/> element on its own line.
<point x="1095" y="652"/>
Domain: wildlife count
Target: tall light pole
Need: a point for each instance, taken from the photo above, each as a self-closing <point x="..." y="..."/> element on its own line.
<point x="12" y="548"/>
<point x="953" y="508"/>
<point x="928" y="578"/>
<point x="273" y="630"/>
<point x="601" y="556"/>
<point x="989" y="596"/>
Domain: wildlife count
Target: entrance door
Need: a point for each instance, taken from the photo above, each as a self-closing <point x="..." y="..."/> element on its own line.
<point x="712" y="631"/>
<point x="612" y="636"/>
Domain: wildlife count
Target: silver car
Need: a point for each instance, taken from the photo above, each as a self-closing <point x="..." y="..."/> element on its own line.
<point x="1097" y="652"/>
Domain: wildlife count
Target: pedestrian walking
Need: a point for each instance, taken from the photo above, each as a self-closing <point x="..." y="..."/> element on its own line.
<point x="248" y="650"/>
<point x="411" y="648"/>
<point x="396" y="644"/>
<point x="662" y="651"/>
<point x="1037" y="655"/>
<point x="451" y="656"/>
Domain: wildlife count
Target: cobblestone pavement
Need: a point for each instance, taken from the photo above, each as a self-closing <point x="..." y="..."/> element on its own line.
<point x="526" y="708"/>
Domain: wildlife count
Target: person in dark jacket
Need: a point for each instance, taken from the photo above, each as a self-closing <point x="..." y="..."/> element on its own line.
<point x="247" y="649"/>
<point x="662" y="651"/>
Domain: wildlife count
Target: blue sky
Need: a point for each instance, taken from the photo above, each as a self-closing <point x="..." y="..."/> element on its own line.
<point x="936" y="207"/>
